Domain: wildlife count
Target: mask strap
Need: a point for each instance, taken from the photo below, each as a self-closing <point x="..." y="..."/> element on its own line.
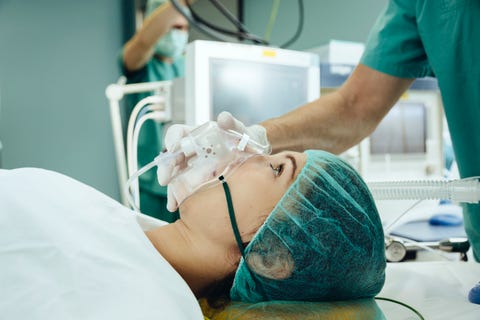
<point x="233" y="222"/>
<point x="231" y="213"/>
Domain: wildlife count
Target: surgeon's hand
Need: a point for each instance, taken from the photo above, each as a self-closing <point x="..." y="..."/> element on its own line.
<point x="256" y="132"/>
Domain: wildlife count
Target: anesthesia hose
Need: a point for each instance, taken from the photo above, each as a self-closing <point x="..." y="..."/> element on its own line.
<point x="463" y="190"/>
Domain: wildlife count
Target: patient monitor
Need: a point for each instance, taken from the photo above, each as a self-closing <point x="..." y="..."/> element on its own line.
<point x="408" y="142"/>
<point x="252" y="82"/>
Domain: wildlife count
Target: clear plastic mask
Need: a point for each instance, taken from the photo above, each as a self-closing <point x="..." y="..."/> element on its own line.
<point x="211" y="152"/>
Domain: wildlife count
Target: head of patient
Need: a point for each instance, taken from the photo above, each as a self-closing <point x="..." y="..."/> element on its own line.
<point x="289" y="226"/>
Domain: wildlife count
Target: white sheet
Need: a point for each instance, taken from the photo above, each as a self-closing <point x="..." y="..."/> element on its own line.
<point x="437" y="289"/>
<point x="69" y="252"/>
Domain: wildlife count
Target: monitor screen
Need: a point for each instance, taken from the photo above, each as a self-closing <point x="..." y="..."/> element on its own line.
<point x="252" y="82"/>
<point x="402" y="131"/>
<point x="255" y="91"/>
<point x="407" y="143"/>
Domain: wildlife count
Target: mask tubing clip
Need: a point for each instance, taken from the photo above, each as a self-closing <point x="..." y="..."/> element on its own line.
<point x="242" y="144"/>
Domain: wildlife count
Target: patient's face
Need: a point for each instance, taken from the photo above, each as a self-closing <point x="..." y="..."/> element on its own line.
<point x="256" y="187"/>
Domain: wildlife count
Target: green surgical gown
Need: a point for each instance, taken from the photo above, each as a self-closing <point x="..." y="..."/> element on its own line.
<point x="441" y="38"/>
<point x="153" y="197"/>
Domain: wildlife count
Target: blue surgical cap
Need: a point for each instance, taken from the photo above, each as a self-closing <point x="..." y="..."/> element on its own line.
<point x="323" y="241"/>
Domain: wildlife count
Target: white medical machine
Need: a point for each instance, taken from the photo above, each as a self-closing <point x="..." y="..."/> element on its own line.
<point x="254" y="83"/>
<point x="408" y="142"/>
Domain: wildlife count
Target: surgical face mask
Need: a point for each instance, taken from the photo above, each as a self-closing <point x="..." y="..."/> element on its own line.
<point x="172" y="44"/>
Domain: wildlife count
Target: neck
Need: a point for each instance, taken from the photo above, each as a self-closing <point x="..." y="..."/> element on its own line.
<point x="199" y="261"/>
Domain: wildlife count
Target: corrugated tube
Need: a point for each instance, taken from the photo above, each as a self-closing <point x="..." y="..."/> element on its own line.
<point x="461" y="190"/>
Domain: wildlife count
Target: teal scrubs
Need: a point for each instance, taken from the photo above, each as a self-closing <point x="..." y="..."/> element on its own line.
<point x="441" y="38"/>
<point x="153" y="197"/>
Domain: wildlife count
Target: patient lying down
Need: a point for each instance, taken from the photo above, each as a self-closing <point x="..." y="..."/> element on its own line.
<point x="300" y="226"/>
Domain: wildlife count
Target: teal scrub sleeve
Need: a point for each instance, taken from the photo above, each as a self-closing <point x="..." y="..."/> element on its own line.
<point x="136" y="76"/>
<point x="394" y="45"/>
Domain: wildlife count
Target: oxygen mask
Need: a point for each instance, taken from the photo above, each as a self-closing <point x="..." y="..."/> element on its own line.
<point x="209" y="152"/>
<point x="201" y="157"/>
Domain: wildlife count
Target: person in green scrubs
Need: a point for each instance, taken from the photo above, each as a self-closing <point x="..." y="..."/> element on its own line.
<point x="410" y="39"/>
<point x="439" y="38"/>
<point x="154" y="53"/>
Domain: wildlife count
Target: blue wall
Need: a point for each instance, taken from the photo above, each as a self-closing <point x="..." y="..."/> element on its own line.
<point x="56" y="59"/>
<point x="324" y="20"/>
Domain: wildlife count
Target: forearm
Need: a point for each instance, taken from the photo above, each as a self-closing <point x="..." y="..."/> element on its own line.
<point x="325" y="124"/>
<point x="139" y="49"/>
<point x="338" y="121"/>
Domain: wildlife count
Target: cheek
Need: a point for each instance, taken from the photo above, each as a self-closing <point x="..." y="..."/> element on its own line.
<point x="257" y="185"/>
<point x="257" y="199"/>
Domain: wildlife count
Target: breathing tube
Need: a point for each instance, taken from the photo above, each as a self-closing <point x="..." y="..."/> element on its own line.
<point x="461" y="190"/>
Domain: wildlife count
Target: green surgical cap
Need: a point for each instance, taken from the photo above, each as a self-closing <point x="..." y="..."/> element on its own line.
<point x="323" y="241"/>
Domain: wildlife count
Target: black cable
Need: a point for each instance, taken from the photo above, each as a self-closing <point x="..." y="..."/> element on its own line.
<point x="299" y="27"/>
<point x="229" y="15"/>
<point x="241" y="11"/>
<point x="237" y="34"/>
<point x="420" y="316"/>
<point x="208" y="24"/>
<point x="243" y="34"/>
<point x="200" y="27"/>
<point x="209" y="29"/>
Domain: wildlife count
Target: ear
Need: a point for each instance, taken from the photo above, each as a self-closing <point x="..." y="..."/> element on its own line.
<point x="278" y="265"/>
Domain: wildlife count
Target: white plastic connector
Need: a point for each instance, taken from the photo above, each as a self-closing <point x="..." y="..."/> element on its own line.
<point x="114" y="92"/>
<point x="242" y="144"/>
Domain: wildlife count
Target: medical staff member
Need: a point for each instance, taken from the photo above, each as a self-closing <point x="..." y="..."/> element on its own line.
<point x="410" y="39"/>
<point x="154" y="53"/>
